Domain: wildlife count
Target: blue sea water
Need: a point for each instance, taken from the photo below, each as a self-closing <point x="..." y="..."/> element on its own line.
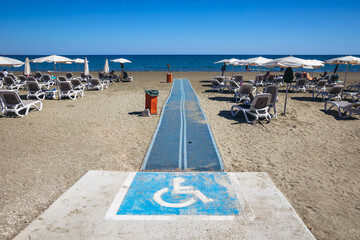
<point x="159" y="62"/>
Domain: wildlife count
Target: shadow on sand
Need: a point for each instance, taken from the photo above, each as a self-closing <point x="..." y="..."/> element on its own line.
<point x="333" y="112"/>
<point x="307" y="99"/>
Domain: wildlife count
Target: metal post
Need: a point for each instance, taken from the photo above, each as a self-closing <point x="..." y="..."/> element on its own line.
<point x="287" y="84"/>
<point x="347" y="68"/>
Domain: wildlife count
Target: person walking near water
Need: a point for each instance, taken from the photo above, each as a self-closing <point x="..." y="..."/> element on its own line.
<point x="223" y="69"/>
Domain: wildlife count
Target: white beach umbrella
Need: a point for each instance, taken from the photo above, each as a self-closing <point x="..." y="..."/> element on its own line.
<point x="257" y="61"/>
<point x="345" y="60"/>
<point x="121" y="60"/>
<point x="86" y="67"/>
<point x="289" y="61"/>
<point x="285" y="62"/>
<point x="313" y="64"/>
<point x="78" y="61"/>
<point x="233" y="62"/>
<point x="52" y="59"/>
<point x="27" y="70"/>
<point x="106" y="67"/>
<point x="10" y="62"/>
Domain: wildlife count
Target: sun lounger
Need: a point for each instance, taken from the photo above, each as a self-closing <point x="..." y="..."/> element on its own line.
<point x="13" y="104"/>
<point x="238" y="78"/>
<point x="32" y="79"/>
<point x="355" y="87"/>
<point x="62" y="79"/>
<point x="2" y="76"/>
<point x="258" y="81"/>
<point x="128" y="79"/>
<point x="96" y="84"/>
<point x="77" y="85"/>
<point x="258" y="108"/>
<point x="300" y="85"/>
<point x="320" y="86"/>
<point x="221" y="79"/>
<point x="48" y="81"/>
<point x="244" y="92"/>
<point x="217" y="86"/>
<point x="67" y="91"/>
<point x="38" y="76"/>
<point x="36" y="91"/>
<point x="22" y="79"/>
<point x="348" y="108"/>
<point x="233" y="86"/>
<point x="69" y="76"/>
<point x="273" y="90"/>
<point x="13" y="77"/>
<point x="355" y="96"/>
<point x="83" y="77"/>
<point x="333" y="93"/>
<point x="11" y="84"/>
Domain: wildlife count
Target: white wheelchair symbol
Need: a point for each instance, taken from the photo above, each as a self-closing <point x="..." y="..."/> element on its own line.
<point x="197" y="195"/>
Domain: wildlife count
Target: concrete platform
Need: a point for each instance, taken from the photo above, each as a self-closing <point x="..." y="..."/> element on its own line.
<point x="182" y="205"/>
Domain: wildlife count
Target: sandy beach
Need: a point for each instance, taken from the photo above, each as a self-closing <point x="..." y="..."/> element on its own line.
<point x="311" y="156"/>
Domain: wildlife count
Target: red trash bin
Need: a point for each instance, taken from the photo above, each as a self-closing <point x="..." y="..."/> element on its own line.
<point x="151" y="100"/>
<point x="169" y="77"/>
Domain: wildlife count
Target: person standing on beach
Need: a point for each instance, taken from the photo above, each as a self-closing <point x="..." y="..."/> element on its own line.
<point x="5" y="72"/>
<point x="124" y="75"/>
<point x="223" y="69"/>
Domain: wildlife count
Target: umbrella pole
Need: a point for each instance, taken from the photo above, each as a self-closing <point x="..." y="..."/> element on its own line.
<point x="287" y="84"/>
<point x="347" y="68"/>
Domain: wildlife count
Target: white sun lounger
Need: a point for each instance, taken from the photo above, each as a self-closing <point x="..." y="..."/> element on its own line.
<point x="12" y="103"/>
<point x="96" y="84"/>
<point x="333" y="93"/>
<point x="347" y="108"/>
<point x="66" y="90"/>
<point x="259" y="108"/>
<point x="243" y="92"/>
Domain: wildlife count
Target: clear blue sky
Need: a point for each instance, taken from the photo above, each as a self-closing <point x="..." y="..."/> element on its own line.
<point x="180" y="27"/>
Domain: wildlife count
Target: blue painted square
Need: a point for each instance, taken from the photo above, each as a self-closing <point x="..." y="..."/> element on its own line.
<point x="139" y="199"/>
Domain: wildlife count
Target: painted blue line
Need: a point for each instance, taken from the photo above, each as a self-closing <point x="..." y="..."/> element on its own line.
<point x="185" y="129"/>
<point x="181" y="127"/>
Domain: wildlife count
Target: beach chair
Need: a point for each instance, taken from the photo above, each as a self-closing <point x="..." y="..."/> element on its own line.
<point x="273" y="90"/>
<point x="233" y="86"/>
<point x="38" y="76"/>
<point x="355" y="87"/>
<point x="22" y="79"/>
<point x="66" y="90"/>
<point x="13" y="104"/>
<point x="258" y="81"/>
<point x="36" y="91"/>
<point x="333" y="93"/>
<point x="83" y="77"/>
<point x="238" y="78"/>
<point x="13" y="77"/>
<point x="32" y="79"/>
<point x="244" y="92"/>
<point x="1" y="83"/>
<point x="48" y="82"/>
<point x="259" y="108"/>
<point x="69" y="76"/>
<point x="128" y="79"/>
<point x="348" y="108"/>
<point x="217" y="86"/>
<point x="11" y="84"/>
<point x="2" y="75"/>
<point x="96" y="84"/>
<point x="221" y="79"/>
<point x="320" y="86"/>
<point x="62" y="79"/>
<point x="77" y="85"/>
<point x="300" y="85"/>
<point x="355" y="96"/>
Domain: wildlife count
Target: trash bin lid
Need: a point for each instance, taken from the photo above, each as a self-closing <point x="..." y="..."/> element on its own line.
<point x="152" y="93"/>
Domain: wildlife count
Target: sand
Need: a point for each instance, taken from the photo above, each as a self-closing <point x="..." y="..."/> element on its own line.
<point x="312" y="156"/>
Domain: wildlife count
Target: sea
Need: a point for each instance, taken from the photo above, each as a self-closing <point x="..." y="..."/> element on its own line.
<point x="198" y="63"/>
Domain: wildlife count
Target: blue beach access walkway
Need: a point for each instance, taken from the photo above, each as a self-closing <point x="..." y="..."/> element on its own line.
<point x="183" y="140"/>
